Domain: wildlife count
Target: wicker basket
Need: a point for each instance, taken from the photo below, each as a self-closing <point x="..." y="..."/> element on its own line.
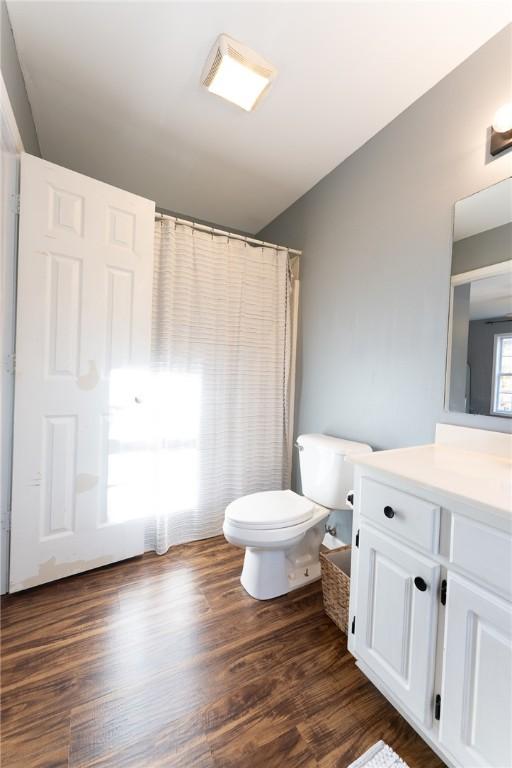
<point x="335" y="564"/>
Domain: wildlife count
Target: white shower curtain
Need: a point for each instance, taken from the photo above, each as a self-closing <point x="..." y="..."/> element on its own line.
<point x="219" y="382"/>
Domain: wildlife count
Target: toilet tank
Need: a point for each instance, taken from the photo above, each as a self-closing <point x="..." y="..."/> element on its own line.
<point x="326" y="475"/>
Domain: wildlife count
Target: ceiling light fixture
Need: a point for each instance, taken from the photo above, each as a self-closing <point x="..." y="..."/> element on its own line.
<point x="501" y="131"/>
<point x="237" y="73"/>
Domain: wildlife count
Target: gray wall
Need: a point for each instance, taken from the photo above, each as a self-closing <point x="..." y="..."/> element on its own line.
<point x="480" y="358"/>
<point x="376" y="234"/>
<point x="15" y="84"/>
<point x="489" y="247"/>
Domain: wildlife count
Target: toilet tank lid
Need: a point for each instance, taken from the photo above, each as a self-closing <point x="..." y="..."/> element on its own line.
<point x="333" y="444"/>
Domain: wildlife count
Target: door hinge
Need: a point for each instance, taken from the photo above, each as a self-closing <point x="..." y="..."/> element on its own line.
<point x="437" y="707"/>
<point x="5" y="521"/>
<point x="16" y="205"/>
<point x="357" y="539"/>
<point x="10" y="364"/>
<point x="444" y="588"/>
<point x="354" y="625"/>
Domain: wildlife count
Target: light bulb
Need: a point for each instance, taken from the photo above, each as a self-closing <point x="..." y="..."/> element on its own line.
<point x="502" y="122"/>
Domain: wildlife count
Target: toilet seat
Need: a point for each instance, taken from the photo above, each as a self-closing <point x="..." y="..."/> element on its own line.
<point x="269" y="510"/>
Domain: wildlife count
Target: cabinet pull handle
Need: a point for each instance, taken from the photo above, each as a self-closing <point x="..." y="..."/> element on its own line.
<point x="420" y="584"/>
<point x="389" y="512"/>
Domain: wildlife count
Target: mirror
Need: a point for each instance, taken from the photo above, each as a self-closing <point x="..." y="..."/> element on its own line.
<point x="479" y="360"/>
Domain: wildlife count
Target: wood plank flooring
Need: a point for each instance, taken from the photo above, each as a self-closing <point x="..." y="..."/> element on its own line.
<point x="165" y="661"/>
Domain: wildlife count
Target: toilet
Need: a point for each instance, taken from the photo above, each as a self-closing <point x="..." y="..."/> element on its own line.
<point x="282" y="531"/>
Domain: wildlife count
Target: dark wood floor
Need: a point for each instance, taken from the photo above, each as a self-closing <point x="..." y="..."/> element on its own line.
<point x="165" y="661"/>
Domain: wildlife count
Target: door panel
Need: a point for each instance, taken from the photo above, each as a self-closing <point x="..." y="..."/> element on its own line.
<point x="395" y="621"/>
<point x="394" y="582"/>
<point x="84" y="317"/>
<point x="476" y="712"/>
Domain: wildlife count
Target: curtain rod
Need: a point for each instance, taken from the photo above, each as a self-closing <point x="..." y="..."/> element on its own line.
<point x="224" y="233"/>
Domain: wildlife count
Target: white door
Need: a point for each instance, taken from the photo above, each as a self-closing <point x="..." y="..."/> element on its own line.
<point x="396" y="616"/>
<point x="476" y="697"/>
<point x="11" y="148"/>
<point x="82" y="338"/>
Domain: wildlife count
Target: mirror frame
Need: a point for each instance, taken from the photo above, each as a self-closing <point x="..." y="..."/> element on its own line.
<point x="501" y="268"/>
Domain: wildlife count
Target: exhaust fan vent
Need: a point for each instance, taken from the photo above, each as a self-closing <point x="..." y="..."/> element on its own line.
<point x="213" y="69"/>
<point x="237" y="73"/>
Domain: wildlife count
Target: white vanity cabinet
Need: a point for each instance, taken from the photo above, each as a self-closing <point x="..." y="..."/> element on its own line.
<point x="430" y="605"/>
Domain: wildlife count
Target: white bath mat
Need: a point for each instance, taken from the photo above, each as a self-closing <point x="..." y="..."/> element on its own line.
<point x="379" y="756"/>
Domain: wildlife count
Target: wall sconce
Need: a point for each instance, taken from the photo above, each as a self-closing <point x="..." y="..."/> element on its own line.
<point x="501" y="131"/>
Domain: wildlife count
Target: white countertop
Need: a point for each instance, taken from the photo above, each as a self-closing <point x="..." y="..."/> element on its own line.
<point x="471" y="476"/>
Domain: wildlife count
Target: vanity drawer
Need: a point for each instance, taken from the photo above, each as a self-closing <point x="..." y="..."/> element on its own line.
<point x="401" y="514"/>
<point x="483" y="552"/>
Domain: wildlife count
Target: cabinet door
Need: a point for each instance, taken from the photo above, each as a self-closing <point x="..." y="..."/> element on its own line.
<point x="396" y="617"/>
<point x="476" y="700"/>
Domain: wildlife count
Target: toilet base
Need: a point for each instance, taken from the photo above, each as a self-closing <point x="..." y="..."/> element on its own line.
<point x="264" y="574"/>
<point x="301" y="578"/>
<point x="269" y="573"/>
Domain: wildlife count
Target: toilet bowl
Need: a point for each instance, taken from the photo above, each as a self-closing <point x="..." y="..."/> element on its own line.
<point x="282" y="531"/>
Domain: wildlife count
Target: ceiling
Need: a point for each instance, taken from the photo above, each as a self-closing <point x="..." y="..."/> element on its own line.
<point x="491" y="297"/>
<point x="487" y="209"/>
<point x="114" y="89"/>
